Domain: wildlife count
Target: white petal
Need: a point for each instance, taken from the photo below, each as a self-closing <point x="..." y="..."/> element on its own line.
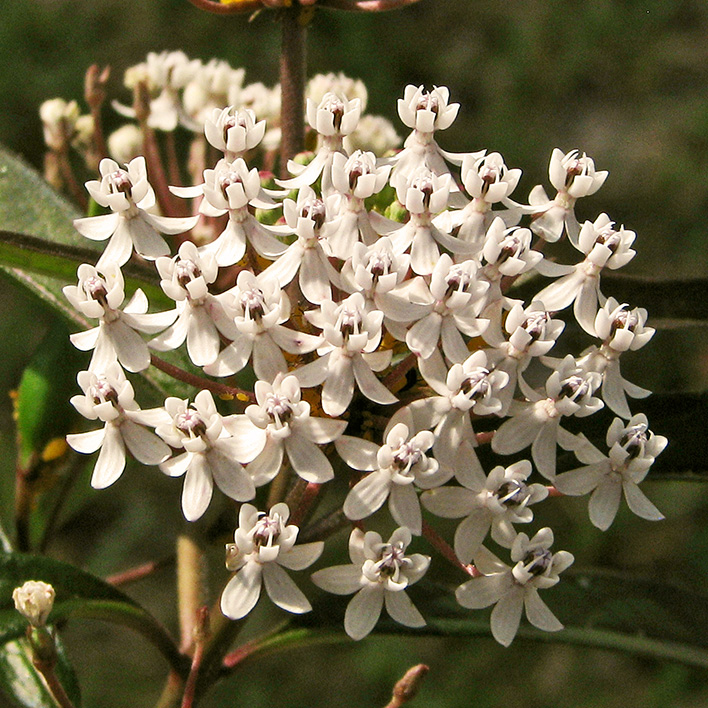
<point x="111" y="459"/>
<point x="242" y="592"/>
<point x="405" y="508"/>
<point x="482" y="592"/>
<point x="639" y="504"/>
<point x="197" y="490"/>
<point x="470" y="534"/>
<point x="363" y="611"/>
<point x="402" y="610"/>
<point x="282" y="590"/>
<point x="369" y="385"/>
<point x="302" y="556"/>
<point x="538" y="613"/>
<point x="339" y="386"/>
<point x="339" y="579"/>
<point x="604" y="503"/>
<point x="308" y="461"/>
<point x="507" y="615"/>
<point x="143" y="444"/>
<point x="367" y="495"/>
<point x="86" y="443"/>
<point x="230" y="477"/>
<point x="357" y="453"/>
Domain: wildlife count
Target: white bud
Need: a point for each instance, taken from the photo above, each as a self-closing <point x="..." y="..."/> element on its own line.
<point x="34" y="601"/>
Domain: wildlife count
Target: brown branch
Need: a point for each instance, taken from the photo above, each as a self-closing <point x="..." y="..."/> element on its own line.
<point x="407" y="687"/>
<point x="292" y="86"/>
<point x="442" y="546"/>
<point x="137" y="573"/>
<point x="200" y="382"/>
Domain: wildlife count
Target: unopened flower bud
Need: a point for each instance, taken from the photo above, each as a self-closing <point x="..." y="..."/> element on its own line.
<point x="34" y="601"/>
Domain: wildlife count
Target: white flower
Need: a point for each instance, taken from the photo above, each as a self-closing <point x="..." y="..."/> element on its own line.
<point x="233" y="131"/>
<point x="333" y="118"/>
<point x="34" y="600"/>
<point x="109" y="397"/>
<point x="321" y="84"/>
<point x="357" y="178"/>
<point x="263" y="546"/>
<point x="201" y="315"/>
<point x="633" y="448"/>
<point x="497" y="501"/>
<point x="425" y="194"/>
<point x="280" y="423"/>
<point x="348" y="355"/>
<point x="260" y="308"/>
<point x="211" y="88"/>
<point x="130" y="198"/>
<point x="115" y="337"/>
<point x="514" y="589"/>
<point x="488" y="181"/>
<point x="394" y="469"/>
<point x="621" y="329"/>
<point x="455" y="300"/>
<point x="308" y="257"/>
<point x="470" y="387"/>
<point x="574" y="177"/>
<point x="211" y="454"/>
<point x="532" y="333"/>
<point x="425" y="112"/>
<point x="604" y="247"/>
<point x="568" y="391"/>
<point x="379" y="575"/>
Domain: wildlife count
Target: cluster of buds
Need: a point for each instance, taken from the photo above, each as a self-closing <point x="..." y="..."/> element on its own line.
<point x="382" y="304"/>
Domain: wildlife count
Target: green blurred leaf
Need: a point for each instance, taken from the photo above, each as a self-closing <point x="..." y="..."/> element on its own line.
<point x="79" y="594"/>
<point x="42" y="409"/>
<point x="599" y="608"/>
<point x="22" y="684"/>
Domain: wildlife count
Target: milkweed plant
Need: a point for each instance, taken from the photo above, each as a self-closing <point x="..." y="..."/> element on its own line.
<point x="372" y="331"/>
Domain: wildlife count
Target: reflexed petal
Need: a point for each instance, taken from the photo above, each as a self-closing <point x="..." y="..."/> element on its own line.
<point x="482" y="592"/>
<point x="604" y="503"/>
<point x="363" y="611"/>
<point x="450" y="502"/>
<point x="339" y="385"/>
<point x="639" y="504"/>
<point x="507" y="615"/>
<point x="369" y="385"/>
<point x="267" y="464"/>
<point x="202" y="337"/>
<point x="176" y="466"/>
<point x="538" y="613"/>
<point x="111" y="459"/>
<point x="470" y="534"/>
<point x="197" y="490"/>
<point x="339" y="579"/>
<point x="405" y="508"/>
<point x="302" y="556"/>
<point x="248" y="440"/>
<point x="282" y="590"/>
<point x="367" y="495"/>
<point x="242" y="591"/>
<point x="230" y="477"/>
<point x="86" y="443"/>
<point x="143" y="444"/>
<point x="357" y="453"/>
<point x="131" y="349"/>
<point x="321" y="430"/>
<point x="308" y="461"/>
<point x="402" y="610"/>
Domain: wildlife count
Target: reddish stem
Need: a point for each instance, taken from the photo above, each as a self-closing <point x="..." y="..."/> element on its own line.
<point x="292" y="86"/>
<point x="441" y="545"/>
<point x="200" y="382"/>
<point x="302" y="499"/>
<point x="137" y="573"/>
<point x="201" y="632"/>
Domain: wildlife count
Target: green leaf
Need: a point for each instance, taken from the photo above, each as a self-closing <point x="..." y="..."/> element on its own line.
<point x="42" y="409"/>
<point x="78" y="594"/>
<point x="23" y="685"/>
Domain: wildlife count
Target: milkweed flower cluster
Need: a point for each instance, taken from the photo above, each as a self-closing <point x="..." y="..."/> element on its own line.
<point x="377" y="314"/>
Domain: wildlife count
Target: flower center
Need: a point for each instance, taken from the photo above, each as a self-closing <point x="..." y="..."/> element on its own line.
<point x="190" y="423"/>
<point x="279" y="409"/>
<point x="186" y="271"/>
<point x="535" y="325"/>
<point x="634" y="439"/>
<point x="102" y="392"/>
<point x="316" y="211"/>
<point x="392" y="558"/>
<point x="476" y="384"/>
<point x="253" y="303"/>
<point x="267" y="530"/>
<point x="96" y="289"/>
<point x="513" y="493"/>
<point x="119" y="181"/>
<point x="538" y="561"/>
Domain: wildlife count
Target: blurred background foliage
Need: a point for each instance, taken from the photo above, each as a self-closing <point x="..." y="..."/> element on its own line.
<point x="624" y="80"/>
